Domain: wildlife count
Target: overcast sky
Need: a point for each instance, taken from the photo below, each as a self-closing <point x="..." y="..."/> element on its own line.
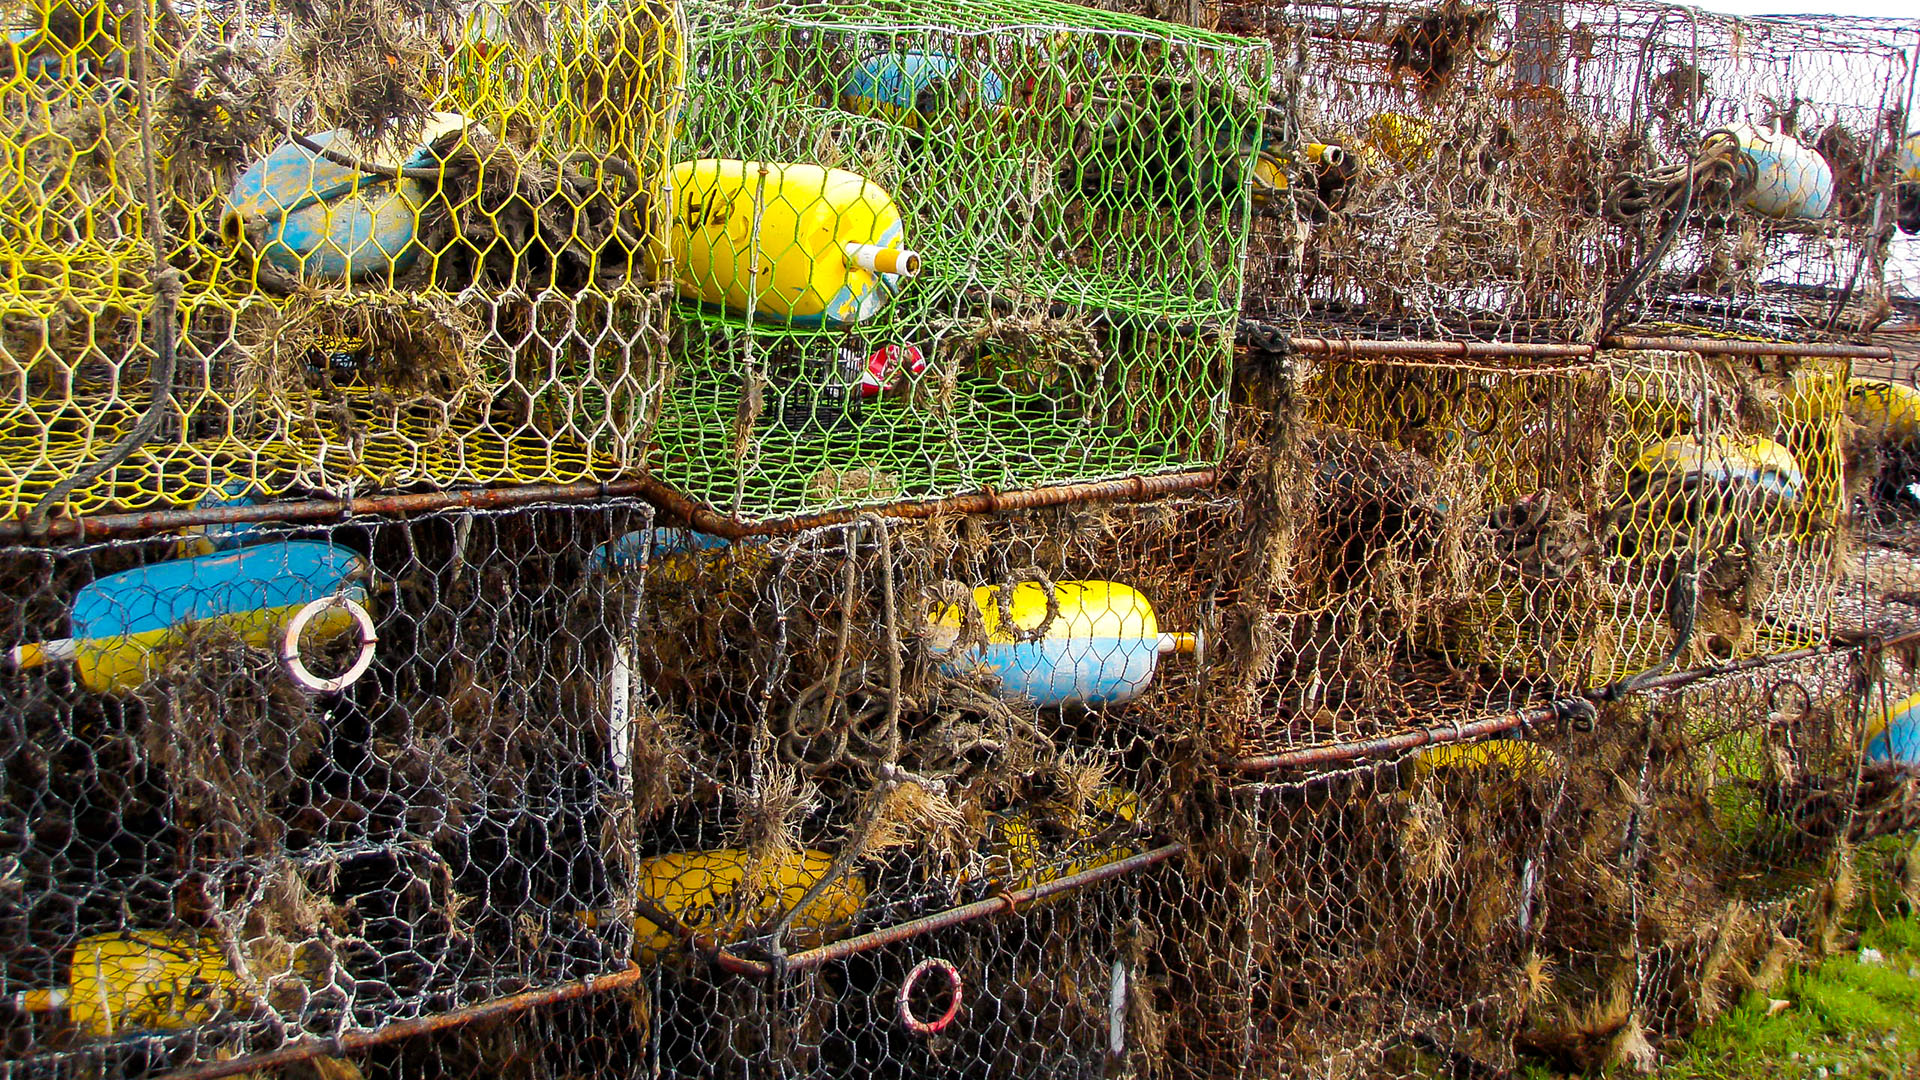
<point x="1886" y="9"/>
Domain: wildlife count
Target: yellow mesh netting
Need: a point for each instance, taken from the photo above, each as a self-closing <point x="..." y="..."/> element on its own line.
<point x="407" y="243"/>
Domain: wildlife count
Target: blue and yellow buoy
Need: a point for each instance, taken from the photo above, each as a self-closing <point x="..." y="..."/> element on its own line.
<point x="644" y="546"/>
<point x="676" y="555"/>
<point x="119" y="622"/>
<point x="1894" y="733"/>
<point x="1103" y="647"/>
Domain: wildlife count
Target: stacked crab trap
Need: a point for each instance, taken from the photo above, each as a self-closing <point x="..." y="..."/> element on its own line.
<point x="1554" y="172"/>
<point x="949" y="247"/>
<point x="908" y="538"/>
<point x="340" y="249"/>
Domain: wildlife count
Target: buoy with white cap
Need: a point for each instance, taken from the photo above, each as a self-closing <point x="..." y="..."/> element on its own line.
<point x="1103" y="646"/>
<point x="801" y="244"/>
<point x="1790" y="180"/>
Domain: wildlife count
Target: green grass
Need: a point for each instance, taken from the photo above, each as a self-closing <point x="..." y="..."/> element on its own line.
<point x="1844" y="1016"/>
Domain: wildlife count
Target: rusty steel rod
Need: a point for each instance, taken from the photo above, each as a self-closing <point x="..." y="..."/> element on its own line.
<point x="499" y="1008"/>
<point x="1320" y="346"/>
<point x="992" y="502"/>
<point x="979" y="909"/>
<point x="1466" y="350"/>
<point x="104" y="526"/>
<point x="1337" y="753"/>
<point x="1729" y="347"/>
<point x="355" y="1041"/>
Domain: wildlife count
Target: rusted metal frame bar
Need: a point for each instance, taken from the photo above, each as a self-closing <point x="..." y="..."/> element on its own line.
<point x="500" y="1008"/>
<point x="105" y="526"/>
<point x="356" y="1041"/>
<point x="1339" y="753"/>
<point x="1727" y="347"/>
<point x="979" y="909"/>
<point x="991" y="502"/>
<point x="1465" y="350"/>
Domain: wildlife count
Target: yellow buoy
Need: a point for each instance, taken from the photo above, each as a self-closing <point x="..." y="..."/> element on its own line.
<point x="141" y="980"/>
<point x="1752" y="460"/>
<point x="701" y="889"/>
<point x="1515" y="758"/>
<point x="1035" y="845"/>
<point x="1889" y="410"/>
<point x="1404" y="140"/>
<point x="803" y="244"/>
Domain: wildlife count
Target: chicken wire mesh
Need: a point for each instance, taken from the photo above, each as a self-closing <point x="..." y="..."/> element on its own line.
<point x="616" y="795"/>
<point x="1447" y="540"/>
<point x="1137" y="788"/>
<point x="213" y="846"/>
<point x="1576" y="897"/>
<point x="970" y="245"/>
<point x="1555" y="170"/>
<point x="265" y="248"/>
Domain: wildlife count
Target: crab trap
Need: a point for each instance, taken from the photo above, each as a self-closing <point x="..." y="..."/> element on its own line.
<point x="984" y="647"/>
<point x="931" y="248"/>
<point x="263" y="249"/>
<point x="1539" y="171"/>
<point x="1409" y="895"/>
<point x="1565" y="896"/>
<point x="288" y="790"/>
<point x="280" y="784"/>
<point x="1723" y="856"/>
<point x="1443" y="542"/>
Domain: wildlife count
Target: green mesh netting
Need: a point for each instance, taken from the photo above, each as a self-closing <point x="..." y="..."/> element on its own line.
<point x="1072" y="188"/>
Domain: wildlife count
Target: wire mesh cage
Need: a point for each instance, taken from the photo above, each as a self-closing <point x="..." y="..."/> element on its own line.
<point x="1392" y="912"/>
<point x="348" y="247"/>
<point x="1529" y="170"/>
<point x="1479" y="709"/>
<point x="1581" y="896"/>
<point x="1716" y="855"/>
<point x="1733" y="488"/>
<point x="945" y="247"/>
<point x="979" y="650"/>
<point x="1777" y="225"/>
<point x="308" y="783"/>
<point x="1454" y="541"/>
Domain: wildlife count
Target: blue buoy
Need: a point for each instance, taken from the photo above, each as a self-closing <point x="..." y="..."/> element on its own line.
<point x="643" y="546"/>
<point x="326" y="221"/>
<point x="910" y="86"/>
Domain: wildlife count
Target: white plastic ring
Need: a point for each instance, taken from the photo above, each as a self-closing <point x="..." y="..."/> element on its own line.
<point x="935" y="1026"/>
<point x="290" y="646"/>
